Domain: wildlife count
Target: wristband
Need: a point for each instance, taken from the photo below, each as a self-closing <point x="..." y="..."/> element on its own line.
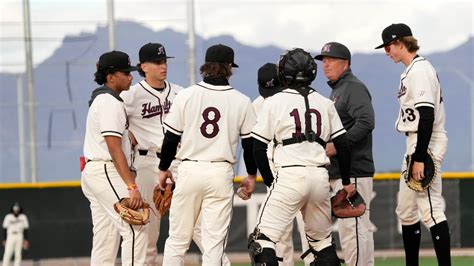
<point x="132" y="187"/>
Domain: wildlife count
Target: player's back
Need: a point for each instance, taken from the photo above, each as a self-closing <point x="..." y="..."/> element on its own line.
<point x="287" y="111"/>
<point x="211" y="118"/>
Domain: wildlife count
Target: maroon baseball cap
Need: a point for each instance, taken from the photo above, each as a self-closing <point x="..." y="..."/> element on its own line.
<point x="394" y="32"/>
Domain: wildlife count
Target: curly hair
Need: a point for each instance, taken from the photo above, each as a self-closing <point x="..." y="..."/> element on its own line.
<point x="215" y="70"/>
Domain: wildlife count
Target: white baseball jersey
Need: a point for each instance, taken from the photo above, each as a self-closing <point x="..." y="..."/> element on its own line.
<point x="15" y="224"/>
<point x="283" y="116"/>
<point x="257" y="104"/>
<point x="106" y="117"/>
<point x="419" y="86"/>
<point x="209" y="120"/>
<point x="147" y="108"/>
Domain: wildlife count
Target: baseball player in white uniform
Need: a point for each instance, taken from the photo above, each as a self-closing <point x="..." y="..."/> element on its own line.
<point x="421" y="118"/>
<point x="147" y="104"/>
<point x="299" y="121"/>
<point x="207" y="118"/>
<point x="268" y="85"/>
<point x="16" y="227"/>
<point x="107" y="177"/>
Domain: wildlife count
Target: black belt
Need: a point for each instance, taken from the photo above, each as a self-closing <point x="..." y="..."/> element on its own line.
<point x="298" y="165"/>
<point x="190" y="160"/>
<point x="145" y="152"/>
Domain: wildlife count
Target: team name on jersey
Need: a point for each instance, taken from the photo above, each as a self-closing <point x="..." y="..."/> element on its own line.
<point x="402" y="91"/>
<point x="150" y="110"/>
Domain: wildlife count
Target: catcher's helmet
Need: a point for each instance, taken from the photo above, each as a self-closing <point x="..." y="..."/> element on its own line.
<point x="297" y="66"/>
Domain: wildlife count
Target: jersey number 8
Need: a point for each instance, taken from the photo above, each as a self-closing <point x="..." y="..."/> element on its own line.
<point x="208" y="121"/>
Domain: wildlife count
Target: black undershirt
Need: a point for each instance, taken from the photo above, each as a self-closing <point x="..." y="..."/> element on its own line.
<point x="341" y="143"/>
<point x="425" y="129"/>
<point x="261" y="159"/>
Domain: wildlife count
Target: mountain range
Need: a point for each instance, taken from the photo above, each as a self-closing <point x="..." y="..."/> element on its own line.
<point x="64" y="82"/>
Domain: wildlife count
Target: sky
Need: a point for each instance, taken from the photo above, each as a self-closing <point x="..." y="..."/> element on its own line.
<point x="438" y="25"/>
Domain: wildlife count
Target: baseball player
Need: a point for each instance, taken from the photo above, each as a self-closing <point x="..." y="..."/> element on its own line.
<point x="421" y="118"/>
<point x="268" y="85"/>
<point x="300" y="121"/>
<point x="16" y="227"/>
<point x="207" y="118"/>
<point x="147" y="103"/>
<point x="354" y="106"/>
<point x="107" y="177"/>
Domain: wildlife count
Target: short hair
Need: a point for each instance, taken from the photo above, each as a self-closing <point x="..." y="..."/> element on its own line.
<point x="215" y="70"/>
<point x="140" y="70"/>
<point x="410" y="43"/>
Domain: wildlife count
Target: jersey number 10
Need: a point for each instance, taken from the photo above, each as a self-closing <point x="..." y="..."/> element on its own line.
<point x="296" y="115"/>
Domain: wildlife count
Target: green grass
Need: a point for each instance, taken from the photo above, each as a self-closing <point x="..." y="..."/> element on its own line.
<point x="457" y="261"/>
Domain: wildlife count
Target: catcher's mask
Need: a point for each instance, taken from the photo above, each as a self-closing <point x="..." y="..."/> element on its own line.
<point x="297" y="67"/>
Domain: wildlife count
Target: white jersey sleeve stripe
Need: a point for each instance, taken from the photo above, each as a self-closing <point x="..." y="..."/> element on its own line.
<point x="424" y="104"/>
<point x="259" y="137"/>
<point x="111" y="133"/>
<point x="338" y="133"/>
<point x="173" y="130"/>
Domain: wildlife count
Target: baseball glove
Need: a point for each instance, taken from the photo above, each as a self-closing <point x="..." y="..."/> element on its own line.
<point x="430" y="172"/>
<point x="162" y="198"/>
<point x="131" y="216"/>
<point x="346" y="208"/>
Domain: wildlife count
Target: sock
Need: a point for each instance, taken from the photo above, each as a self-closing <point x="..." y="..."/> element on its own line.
<point x="441" y="242"/>
<point x="411" y="243"/>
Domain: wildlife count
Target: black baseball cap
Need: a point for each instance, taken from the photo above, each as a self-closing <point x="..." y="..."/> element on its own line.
<point x="268" y="82"/>
<point x="221" y="54"/>
<point x="334" y="49"/>
<point x="394" y="32"/>
<point x="115" y="61"/>
<point x="152" y="52"/>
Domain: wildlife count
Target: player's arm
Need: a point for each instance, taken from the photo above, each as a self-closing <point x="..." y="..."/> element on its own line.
<point x="168" y="153"/>
<point x="425" y="129"/>
<point x="114" y="144"/>
<point x="360" y="109"/>
<point x="344" y="158"/>
<point x="249" y="182"/>
<point x="261" y="159"/>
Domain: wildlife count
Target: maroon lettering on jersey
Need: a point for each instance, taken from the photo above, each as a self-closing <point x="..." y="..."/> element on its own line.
<point x="149" y="110"/>
<point x="402" y="91"/>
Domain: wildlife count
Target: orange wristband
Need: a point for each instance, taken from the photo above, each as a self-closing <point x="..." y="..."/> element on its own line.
<point x="132" y="187"/>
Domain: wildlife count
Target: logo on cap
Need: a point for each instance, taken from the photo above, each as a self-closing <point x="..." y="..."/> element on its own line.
<point x="394" y="36"/>
<point x="161" y="50"/>
<point x="326" y="48"/>
<point x="270" y="83"/>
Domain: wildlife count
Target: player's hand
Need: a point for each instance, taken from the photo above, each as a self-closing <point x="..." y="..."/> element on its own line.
<point x="135" y="198"/>
<point x="350" y="189"/>
<point x="132" y="138"/>
<point x="26" y="244"/>
<point x="247" y="187"/>
<point x="164" y="176"/>
<point x="418" y="171"/>
<point x="330" y="149"/>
